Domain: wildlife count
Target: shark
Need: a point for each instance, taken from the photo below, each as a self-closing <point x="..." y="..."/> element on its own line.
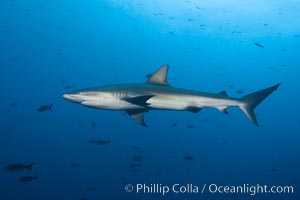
<point x="156" y="93"/>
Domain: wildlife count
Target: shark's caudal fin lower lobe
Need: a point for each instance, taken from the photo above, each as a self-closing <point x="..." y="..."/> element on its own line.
<point x="251" y="101"/>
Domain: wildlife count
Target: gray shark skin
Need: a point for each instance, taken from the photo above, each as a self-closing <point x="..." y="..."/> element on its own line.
<point x="156" y="94"/>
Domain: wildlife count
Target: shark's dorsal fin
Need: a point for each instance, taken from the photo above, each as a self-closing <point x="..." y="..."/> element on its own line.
<point x="159" y="76"/>
<point x="137" y="116"/>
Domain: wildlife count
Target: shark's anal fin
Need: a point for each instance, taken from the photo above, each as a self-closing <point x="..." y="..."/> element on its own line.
<point x="139" y="100"/>
<point x="193" y="109"/>
<point x="159" y="76"/>
<point x="138" y="116"/>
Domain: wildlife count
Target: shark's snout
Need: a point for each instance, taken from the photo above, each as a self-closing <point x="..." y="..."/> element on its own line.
<point x="73" y="98"/>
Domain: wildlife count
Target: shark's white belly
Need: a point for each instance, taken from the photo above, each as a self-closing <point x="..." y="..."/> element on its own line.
<point x="183" y="102"/>
<point x="168" y="102"/>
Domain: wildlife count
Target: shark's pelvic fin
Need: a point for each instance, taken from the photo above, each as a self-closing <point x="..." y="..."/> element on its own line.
<point x="223" y="109"/>
<point x="160" y="76"/>
<point x="139" y="100"/>
<point x="138" y="116"/>
<point x="251" y="101"/>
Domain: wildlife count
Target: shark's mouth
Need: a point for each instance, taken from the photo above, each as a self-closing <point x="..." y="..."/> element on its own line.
<point x="73" y="98"/>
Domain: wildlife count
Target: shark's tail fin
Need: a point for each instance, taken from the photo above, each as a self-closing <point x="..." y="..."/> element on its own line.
<point x="29" y="167"/>
<point x="50" y="106"/>
<point x="251" y="101"/>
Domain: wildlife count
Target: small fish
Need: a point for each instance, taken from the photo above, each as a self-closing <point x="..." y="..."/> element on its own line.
<point x="43" y="108"/>
<point x="136" y="147"/>
<point x="174" y="124"/>
<point x="74" y="164"/>
<point x="138" y="158"/>
<point x="100" y="142"/>
<point x="188" y="158"/>
<point x="259" y="45"/>
<point x="273" y="170"/>
<point x="190" y="126"/>
<point x="13" y="104"/>
<point x="81" y="123"/>
<point x="18" y="167"/>
<point x="172" y="33"/>
<point x="134" y="165"/>
<point x="94" y="125"/>
<point x="25" y="179"/>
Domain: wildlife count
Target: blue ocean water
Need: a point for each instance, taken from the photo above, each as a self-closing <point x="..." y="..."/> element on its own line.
<point x="49" y="48"/>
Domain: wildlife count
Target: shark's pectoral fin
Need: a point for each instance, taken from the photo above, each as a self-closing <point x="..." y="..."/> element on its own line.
<point x="193" y="109"/>
<point x="139" y="100"/>
<point x="223" y="109"/>
<point x="159" y="76"/>
<point x="138" y="116"/>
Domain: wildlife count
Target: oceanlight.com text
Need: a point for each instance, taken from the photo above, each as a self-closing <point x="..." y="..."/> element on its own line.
<point x="246" y="189"/>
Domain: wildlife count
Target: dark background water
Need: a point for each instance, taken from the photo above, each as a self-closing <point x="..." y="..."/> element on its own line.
<point x="51" y="47"/>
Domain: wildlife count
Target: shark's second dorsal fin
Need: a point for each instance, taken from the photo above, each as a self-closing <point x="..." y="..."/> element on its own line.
<point x="160" y="76"/>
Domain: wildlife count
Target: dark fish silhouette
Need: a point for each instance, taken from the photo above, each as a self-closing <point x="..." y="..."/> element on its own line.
<point x="188" y="158"/>
<point x="100" y="142"/>
<point x="74" y="164"/>
<point x="273" y="170"/>
<point x="136" y="147"/>
<point x="13" y="104"/>
<point x="18" y="167"/>
<point x="259" y="45"/>
<point x="174" y="124"/>
<point x="138" y="158"/>
<point x="93" y="124"/>
<point x="26" y="179"/>
<point x="190" y="126"/>
<point x="43" y="108"/>
<point x="134" y="165"/>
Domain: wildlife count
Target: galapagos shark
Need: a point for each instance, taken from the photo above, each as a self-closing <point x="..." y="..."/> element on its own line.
<point x="157" y="94"/>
